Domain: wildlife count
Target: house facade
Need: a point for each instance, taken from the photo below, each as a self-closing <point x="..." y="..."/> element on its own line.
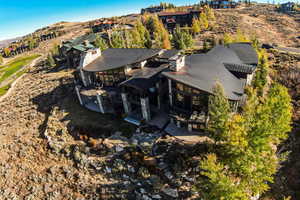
<point x="71" y="51"/>
<point x="141" y="84"/>
<point x="220" y="4"/>
<point x="287" y="7"/>
<point x="181" y="18"/>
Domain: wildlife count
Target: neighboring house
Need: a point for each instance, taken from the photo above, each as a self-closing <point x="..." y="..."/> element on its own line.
<point x="181" y="18"/>
<point x="287" y="7"/>
<point x="108" y="25"/>
<point x="154" y="9"/>
<point x="72" y="50"/>
<point x="48" y="36"/>
<point x="144" y="83"/>
<point x="219" y="4"/>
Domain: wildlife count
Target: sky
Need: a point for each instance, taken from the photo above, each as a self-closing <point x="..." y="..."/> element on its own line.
<point x="20" y="17"/>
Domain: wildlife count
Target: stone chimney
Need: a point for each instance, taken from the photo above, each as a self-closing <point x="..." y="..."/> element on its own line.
<point x="89" y="56"/>
<point x="86" y="42"/>
<point x="178" y="62"/>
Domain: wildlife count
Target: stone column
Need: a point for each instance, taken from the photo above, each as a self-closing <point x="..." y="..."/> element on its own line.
<point x="146" y="108"/>
<point x="158" y="95"/>
<point x="170" y="92"/>
<point x="83" y="78"/>
<point x="126" y="103"/>
<point x="178" y="124"/>
<point x="77" y="88"/>
<point x="100" y="103"/>
<point x="190" y="127"/>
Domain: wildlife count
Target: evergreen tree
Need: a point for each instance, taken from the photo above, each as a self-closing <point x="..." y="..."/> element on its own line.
<point x="182" y="39"/>
<point x="218" y="111"/>
<point x="117" y="40"/>
<point x="161" y="35"/>
<point x="261" y="75"/>
<point x="100" y="43"/>
<point x="32" y="43"/>
<point x="50" y="60"/>
<point x="220" y="184"/>
<point x="148" y="41"/>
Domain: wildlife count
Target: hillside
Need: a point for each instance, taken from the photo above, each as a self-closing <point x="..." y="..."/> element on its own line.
<point x="49" y="148"/>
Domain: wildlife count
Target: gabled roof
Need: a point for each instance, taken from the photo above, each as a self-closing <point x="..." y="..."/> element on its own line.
<point x="245" y="52"/>
<point x="169" y="54"/>
<point x="117" y="57"/>
<point x="248" y="69"/>
<point x="202" y="71"/>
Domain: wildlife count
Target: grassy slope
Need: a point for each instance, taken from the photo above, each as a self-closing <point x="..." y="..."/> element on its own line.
<point x="14" y="66"/>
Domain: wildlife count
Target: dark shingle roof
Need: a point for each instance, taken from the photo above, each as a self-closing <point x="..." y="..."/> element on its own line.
<point x="248" y="69"/>
<point x="202" y="71"/>
<point x="169" y="53"/>
<point x="116" y="58"/>
<point x="245" y="52"/>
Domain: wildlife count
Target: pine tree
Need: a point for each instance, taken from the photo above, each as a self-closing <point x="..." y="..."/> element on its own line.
<point x="182" y="39"/>
<point x="261" y="76"/>
<point x="161" y="35"/>
<point x="148" y="41"/>
<point x="220" y="184"/>
<point x="32" y="43"/>
<point x="100" y="43"/>
<point x="218" y="111"/>
<point x="117" y="40"/>
<point x="50" y="60"/>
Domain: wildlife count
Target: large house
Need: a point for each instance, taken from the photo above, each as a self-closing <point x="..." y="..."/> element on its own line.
<point x="180" y="18"/>
<point x="72" y="50"/>
<point x="219" y="4"/>
<point x="144" y="83"/>
<point x="287" y="7"/>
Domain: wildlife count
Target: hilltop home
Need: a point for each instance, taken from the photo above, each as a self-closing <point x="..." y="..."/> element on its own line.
<point x="145" y="83"/>
<point x="181" y="18"/>
<point x="102" y="26"/>
<point x="72" y="50"/>
<point x="154" y="9"/>
<point x="219" y="4"/>
<point x="287" y="7"/>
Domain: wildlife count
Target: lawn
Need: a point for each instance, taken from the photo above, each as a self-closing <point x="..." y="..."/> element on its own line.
<point x="14" y="66"/>
<point x="4" y="89"/>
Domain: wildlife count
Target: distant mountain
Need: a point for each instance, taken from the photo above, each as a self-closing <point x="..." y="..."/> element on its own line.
<point x="4" y="43"/>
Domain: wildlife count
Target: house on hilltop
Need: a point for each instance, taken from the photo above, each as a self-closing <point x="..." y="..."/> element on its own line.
<point x="144" y="84"/>
<point x="287" y="7"/>
<point x="219" y="4"/>
<point x="180" y="18"/>
<point x="72" y="50"/>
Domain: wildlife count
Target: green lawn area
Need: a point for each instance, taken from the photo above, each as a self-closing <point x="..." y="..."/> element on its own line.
<point x="14" y="66"/>
<point x="4" y="89"/>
